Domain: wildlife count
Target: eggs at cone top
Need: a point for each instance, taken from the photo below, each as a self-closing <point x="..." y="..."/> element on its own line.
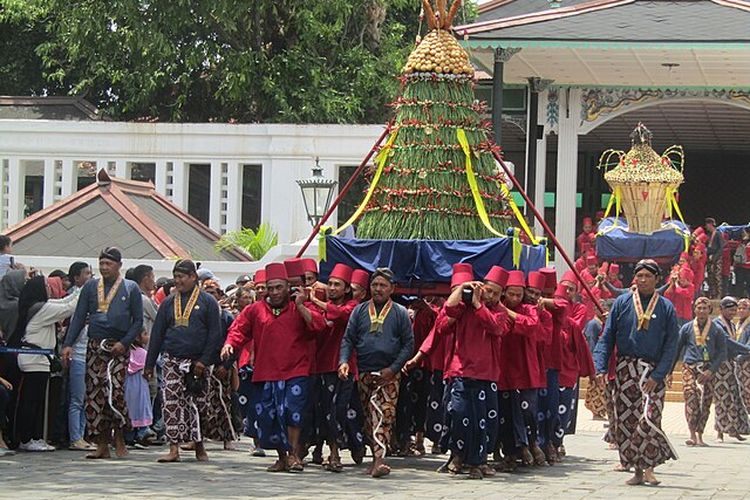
<point x="439" y="52"/>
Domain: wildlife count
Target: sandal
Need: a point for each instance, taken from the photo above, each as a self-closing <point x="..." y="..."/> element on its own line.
<point x="486" y="470"/>
<point x="475" y="473"/>
<point x="690" y="442"/>
<point x="381" y="470"/>
<point x="295" y="465"/>
<point x="278" y="466"/>
<point x="334" y="466"/>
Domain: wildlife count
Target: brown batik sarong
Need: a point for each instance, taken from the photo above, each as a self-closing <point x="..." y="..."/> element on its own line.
<point x="609" y="436"/>
<point x="641" y="442"/>
<point x="219" y="398"/>
<point x="731" y="414"/>
<point x="698" y="397"/>
<point x="185" y="415"/>
<point x="596" y="400"/>
<point x="379" y="403"/>
<point x="105" y="390"/>
<point x="743" y="376"/>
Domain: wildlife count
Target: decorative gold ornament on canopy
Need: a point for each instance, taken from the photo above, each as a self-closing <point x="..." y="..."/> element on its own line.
<point x="643" y="182"/>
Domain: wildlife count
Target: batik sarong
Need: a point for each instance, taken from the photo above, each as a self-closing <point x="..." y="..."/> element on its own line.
<point x="186" y="415"/>
<point x="412" y="405"/>
<point x="105" y="389"/>
<point x="596" y="401"/>
<point x="518" y="419"/>
<point x="567" y="404"/>
<point x="609" y="436"/>
<point x="219" y="399"/>
<point x="379" y="402"/>
<point x="435" y="411"/>
<point x="247" y="393"/>
<point x="731" y="414"/>
<point x="280" y="404"/>
<point x="642" y="443"/>
<point x="335" y="418"/>
<point x="742" y="369"/>
<point x="698" y="397"/>
<point x="471" y="420"/>
<point x="548" y="415"/>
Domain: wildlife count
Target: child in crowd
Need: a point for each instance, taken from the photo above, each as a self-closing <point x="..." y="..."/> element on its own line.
<point x="137" y="396"/>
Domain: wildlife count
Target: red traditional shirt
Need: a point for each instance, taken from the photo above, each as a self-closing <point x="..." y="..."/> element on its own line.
<point x="282" y="343"/>
<point x="328" y="343"/>
<point x="519" y="361"/>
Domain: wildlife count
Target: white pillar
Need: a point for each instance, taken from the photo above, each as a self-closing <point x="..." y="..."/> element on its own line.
<point x="234" y="196"/>
<point x="180" y="178"/>
<point x="567" y="171"/>
<point x="16" y="190"/>
<point x="122" y="169"/>
<point x="160" y="177"/>
<point x="69" y="178"/>
<point x="49" y="182"/>
<point x="214" y="209"/>
<point x="541" y="162"/>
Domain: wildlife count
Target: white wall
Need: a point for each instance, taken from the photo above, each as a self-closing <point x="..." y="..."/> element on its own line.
<point x="286" y="152"/>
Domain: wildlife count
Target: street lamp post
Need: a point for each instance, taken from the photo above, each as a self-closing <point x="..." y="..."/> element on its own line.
<point x="317" y="192"/>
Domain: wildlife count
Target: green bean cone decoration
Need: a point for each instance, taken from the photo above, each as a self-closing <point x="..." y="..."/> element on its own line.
<point x="424" y="191"/>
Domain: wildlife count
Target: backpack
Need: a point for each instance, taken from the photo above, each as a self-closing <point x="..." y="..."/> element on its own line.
<point x="740" y="255"/>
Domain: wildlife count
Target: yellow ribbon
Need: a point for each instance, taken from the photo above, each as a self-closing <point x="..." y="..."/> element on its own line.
<point x="463" y="141"/>
<point x="672" y="205"/>
<point x="324" y="232"/>
<point x="613" y="200"/>
<point x="519" y="216"/>
<point x="380" y="161"/>
<point x="517" y="248"/>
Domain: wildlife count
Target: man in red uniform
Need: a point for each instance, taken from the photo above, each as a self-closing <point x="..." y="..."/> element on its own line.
<point x="520" y="376"/>
<point x="680" y="292"/>
<point x="533" y="296"/>
<point x="335" y="419"/>
<point x="584" y="241"/>
<point x="360" y="284"/>
<point x="471" y="373"/>
<point x="281" y="330"/>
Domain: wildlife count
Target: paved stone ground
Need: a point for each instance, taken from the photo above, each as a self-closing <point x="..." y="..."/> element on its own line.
<point x="715" y="472"/>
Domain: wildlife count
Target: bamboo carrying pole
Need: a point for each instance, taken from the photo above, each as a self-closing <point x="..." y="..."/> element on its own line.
<point x="343" y="191"/>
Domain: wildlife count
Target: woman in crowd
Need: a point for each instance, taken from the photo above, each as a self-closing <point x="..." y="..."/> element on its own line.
<point x="37" y="316"/>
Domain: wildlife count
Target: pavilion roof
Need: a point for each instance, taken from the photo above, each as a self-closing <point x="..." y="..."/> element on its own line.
<point x="131" y="215"/>
<point x="678" y="22"/>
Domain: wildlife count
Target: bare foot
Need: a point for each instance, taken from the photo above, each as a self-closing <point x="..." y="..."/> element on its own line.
<point x="650" y="478"/>
<point x="278" y="466"/>
<point x="381" y="470"/>
<point x="200" y="453"/>
<point x="229" y="446"/>
<point x="636" y="479"/>
<point x="99" y="454"/>
<point x="120" y="449"/>
<point x="169" y="458"/>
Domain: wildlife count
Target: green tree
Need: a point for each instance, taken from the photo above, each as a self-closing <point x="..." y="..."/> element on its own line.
<point x="329" y="61"/>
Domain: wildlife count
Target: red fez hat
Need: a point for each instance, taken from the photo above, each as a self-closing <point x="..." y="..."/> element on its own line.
<point x="591" y="260"/>
<point x="260" y="276"/>
<point x="561" y="291"/>
<point x="550" y="277"/>
<point x="614" y="268"/>
<point x="360" y="277"/>
<point x="462" y="272"/>
<point x="342" y="272"/>
<point x="497" y="275"/>
<point x="276" y="271"/>
<point x="703" y="238"/>
<point x="294" y="268"/>
<point x="516" y="278"/>
<point x="686" y="273"/>
<point x="587" y="220"/>
<point x="570" y="277"/>
<point x="537" y="280"/>
<point x="310" y="266"/>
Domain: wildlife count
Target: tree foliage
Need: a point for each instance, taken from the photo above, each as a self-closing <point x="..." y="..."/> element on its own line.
<point x="256" y="243"/>
<point x="226" y="60"/>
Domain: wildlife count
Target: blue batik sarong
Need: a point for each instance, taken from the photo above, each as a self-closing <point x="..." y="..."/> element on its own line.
<point x="278" y="405"/>
<point x="471" y="419"/>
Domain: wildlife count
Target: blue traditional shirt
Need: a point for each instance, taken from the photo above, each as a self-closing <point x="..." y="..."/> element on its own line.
<point x="390" y="348"/>
<point x="200" y="340"/>
<point x="656" y="344"/>
<point x="745" y="334"/>
<point x="122" y="322"/>
<point x="734" y="348"/>
<point x="714" y="351"/>
<point x="592" y="331"/>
